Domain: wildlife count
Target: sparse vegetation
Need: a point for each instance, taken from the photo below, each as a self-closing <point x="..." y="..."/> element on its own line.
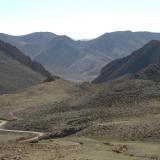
<point x="118" y="119"/>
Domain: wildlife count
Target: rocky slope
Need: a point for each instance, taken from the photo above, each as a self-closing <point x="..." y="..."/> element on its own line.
<point x="143" y="63"/>
<point x="18" y="71"/>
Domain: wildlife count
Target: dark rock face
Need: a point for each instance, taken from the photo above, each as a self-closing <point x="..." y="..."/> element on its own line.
<point x="18" y="71"/>
<point x="143" y="63"/>
<point x="151" y="72"/>
<point x="25" y="60"/>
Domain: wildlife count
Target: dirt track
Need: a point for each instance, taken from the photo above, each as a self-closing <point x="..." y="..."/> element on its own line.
<point x="36" y="137"/>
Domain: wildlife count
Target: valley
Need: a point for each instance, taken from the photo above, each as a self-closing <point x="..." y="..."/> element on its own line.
<point x="78" y="60"/>
<point x="77" y="148"/>
<point x="79" y="80"/>
<point x="117" y="116"/>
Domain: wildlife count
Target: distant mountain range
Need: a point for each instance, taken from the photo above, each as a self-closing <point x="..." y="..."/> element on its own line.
<point x="141" y="64"/>
<point x="17" y="71"/>
<point x="78" y="60"/>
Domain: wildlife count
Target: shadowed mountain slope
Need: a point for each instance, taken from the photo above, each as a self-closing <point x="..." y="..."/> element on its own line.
<point x="143" y="63"/>
<point x="18" y="71"/>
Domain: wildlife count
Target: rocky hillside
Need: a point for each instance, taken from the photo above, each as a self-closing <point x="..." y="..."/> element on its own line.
<point x="18" y="71"/>
<point x="143" y="63"/>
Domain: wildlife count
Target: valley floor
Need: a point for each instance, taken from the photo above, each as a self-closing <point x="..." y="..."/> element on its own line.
<point x="78" y="148"/>
<point x="75" y="148"/>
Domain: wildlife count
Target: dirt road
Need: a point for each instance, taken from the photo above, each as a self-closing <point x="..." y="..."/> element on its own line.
<point x="33" y="139"/>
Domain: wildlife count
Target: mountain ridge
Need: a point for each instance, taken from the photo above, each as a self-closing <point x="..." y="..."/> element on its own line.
<point x="139" y="62"/>
<point x="25" y="60"/>
<point x="17" y="71"/>
<point x="67" y="57"/>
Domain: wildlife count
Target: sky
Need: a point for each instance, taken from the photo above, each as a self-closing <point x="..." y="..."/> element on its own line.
<point x="79" y="19"/>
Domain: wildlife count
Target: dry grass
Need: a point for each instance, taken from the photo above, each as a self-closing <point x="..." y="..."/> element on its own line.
<point x="72" y="148"/>
<point x="117" y="121"/>
<point x="60" y="106"/>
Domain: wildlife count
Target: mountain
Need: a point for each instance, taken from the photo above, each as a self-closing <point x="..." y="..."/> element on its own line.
<point x="143" y="63"/>
<point x="121" y="43"/>
<point x="31" y="44"/>
<point x="17" y="70"/>
<point x="79" y="60"/>
<point x="70" y="59"/>
<point x="151" y="72"/>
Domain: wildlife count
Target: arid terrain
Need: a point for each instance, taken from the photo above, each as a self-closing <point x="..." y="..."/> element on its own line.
<point x="44" y="117"/>
<point x="115" y="120"/>
<point x="79" y="80"/>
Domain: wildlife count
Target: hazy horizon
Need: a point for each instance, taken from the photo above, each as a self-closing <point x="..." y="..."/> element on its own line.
<point x="72" y="37"/>
<point x="85" y="19"/>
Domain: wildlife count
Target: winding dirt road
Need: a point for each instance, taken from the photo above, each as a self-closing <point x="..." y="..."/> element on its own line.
<point x="33" y="139"/>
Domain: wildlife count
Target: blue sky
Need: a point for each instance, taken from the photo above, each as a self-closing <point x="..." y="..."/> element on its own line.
<point x="79" y="19"/>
